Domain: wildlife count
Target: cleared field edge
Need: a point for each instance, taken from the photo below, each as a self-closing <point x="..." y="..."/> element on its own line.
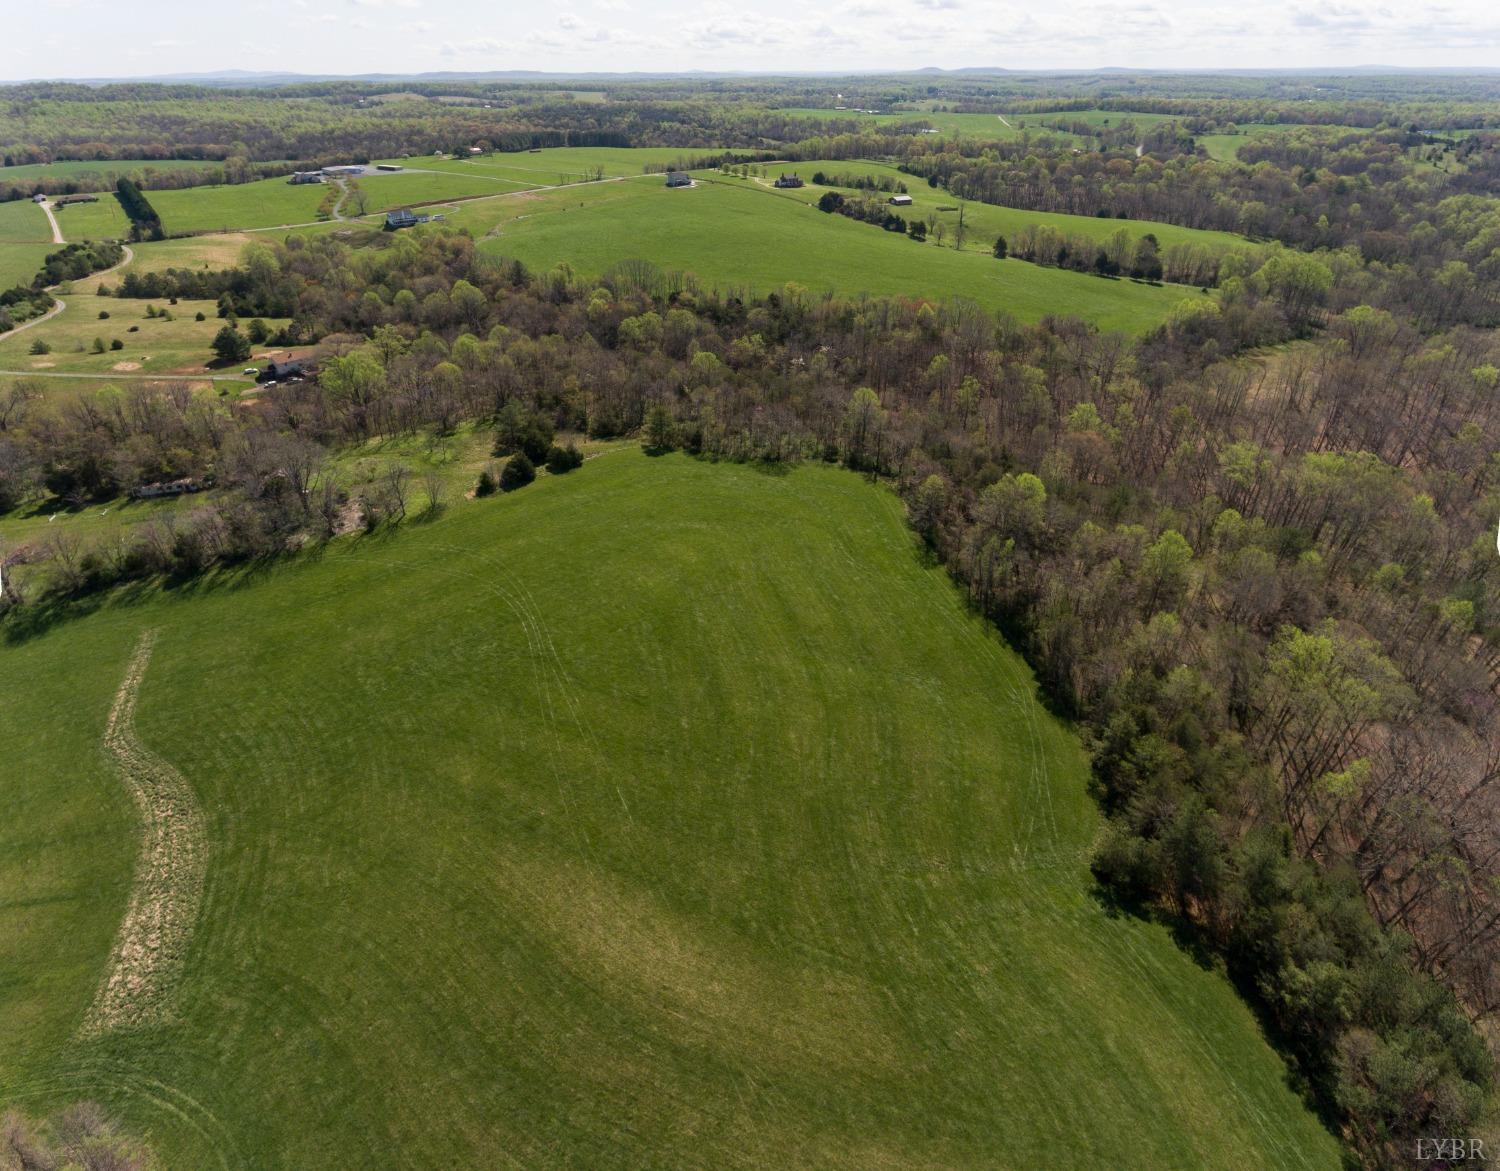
<point x="168" y="884"/>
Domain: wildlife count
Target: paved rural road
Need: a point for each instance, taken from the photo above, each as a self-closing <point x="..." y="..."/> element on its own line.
<point x="57" y="236"/>
<point x="55" y="310"/>
<point x="125" y="377"/>
<point x="25" y="325"/>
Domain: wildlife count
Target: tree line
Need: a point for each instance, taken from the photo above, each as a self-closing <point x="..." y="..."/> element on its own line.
<point x="1264" y="586"/>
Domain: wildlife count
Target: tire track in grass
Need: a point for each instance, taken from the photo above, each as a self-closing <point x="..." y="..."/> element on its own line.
<point x="167" y="887"/>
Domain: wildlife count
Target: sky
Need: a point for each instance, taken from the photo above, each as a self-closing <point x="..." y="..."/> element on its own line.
<point x="106" y="38"/>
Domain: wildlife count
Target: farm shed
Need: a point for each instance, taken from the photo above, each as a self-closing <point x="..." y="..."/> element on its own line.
<point x="679" y="179"/>
<point x="900" y="200"/>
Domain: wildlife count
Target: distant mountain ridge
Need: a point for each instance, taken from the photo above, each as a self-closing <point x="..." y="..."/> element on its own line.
<point x="231" y="78"/>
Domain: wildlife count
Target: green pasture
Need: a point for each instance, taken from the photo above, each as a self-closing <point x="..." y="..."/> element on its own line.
<point x="25" y="241"/>
<point x="23" y="222"/>
<point x="19" y="263"/>
<point x="733" y="236"/>
<point x="401" y="189"/>
<point x="1102" y="120"/>
<point x="73" y="169"/>
<point x="103" y="219"/>
<point x="267" y="203"/>
<point x="157" y="347"/>
<point x="557" y="165"/>
<point x="666" y="814"/>
<point x="984" y="221"/>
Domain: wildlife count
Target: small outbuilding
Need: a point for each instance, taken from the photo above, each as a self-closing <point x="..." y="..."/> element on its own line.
<point x="300" y="177"/>
<point x="679" y="179"/>
<point x="900" y="200"/>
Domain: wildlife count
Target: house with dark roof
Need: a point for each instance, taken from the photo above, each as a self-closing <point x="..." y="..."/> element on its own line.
<point x="406" y="218"/>
<point x="792" y="180"/>
<point x="679" y="179"/>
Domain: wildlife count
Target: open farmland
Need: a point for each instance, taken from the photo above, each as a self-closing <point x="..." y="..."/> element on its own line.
<point x="263" y="204"/>
<point x="104" y="219"/>
<point x="19" y="263"/>
<point x="736" y="237"/>
<point x="557" y="165"/>
<point x="746" y="845"/>
<point x="25" y="241"/>
<point x="990" y="126"/>
<point x="156" y="347"/>
<point x="985" y="221"/>
<point x="23" y="222"/>
<point x="73" y="169"/>
<point x="403" y="189"/>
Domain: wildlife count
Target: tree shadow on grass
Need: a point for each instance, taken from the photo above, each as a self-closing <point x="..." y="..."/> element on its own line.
<point x="33" y="619"/>
<point x="1190" y="939"/>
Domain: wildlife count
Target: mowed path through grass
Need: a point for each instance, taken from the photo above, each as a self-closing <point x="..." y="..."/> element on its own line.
<point x="661" y="815"/>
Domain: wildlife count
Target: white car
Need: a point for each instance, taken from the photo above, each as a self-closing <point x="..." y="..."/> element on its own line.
<point x="250" y="370"/>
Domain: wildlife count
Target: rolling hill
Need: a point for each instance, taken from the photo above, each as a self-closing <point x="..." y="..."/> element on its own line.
<point x="665" y="814"/>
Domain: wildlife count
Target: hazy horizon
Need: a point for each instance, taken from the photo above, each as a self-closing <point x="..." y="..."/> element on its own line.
<point x="94" y="38"/>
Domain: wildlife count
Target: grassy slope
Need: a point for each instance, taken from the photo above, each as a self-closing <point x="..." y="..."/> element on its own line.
<point x="104" y="219"/>
<point x="666" y="814"/>
<point x="25" y="241"/>
<point x="731" y="235"/>
<point x="263" y="204"/>
<point x="986" y="126"/>
<point x="179" y="346"/>
<point x="985" y="221"/>
<point x="23" y="222"/>
<point x="19" y="263"/>
<point x="72" y="169"/>
<point x="546" y="168"/>
<point x="384" y="192"/>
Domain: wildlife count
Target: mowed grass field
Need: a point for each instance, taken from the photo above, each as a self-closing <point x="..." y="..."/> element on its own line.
<point x="554" y="166"/>
<point x="734" y="235"/>
<point x="73" y="169"/>
<point x="25" y="241"/>
<point x="984" y="221"/>
<point x="265" y="203"/>
<point x="386" y="191"/>
<point x="986" y="126"/>
<point x="661" y="815"/>
<point x="104" y="219"/>
<point x="157" y="347"/>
